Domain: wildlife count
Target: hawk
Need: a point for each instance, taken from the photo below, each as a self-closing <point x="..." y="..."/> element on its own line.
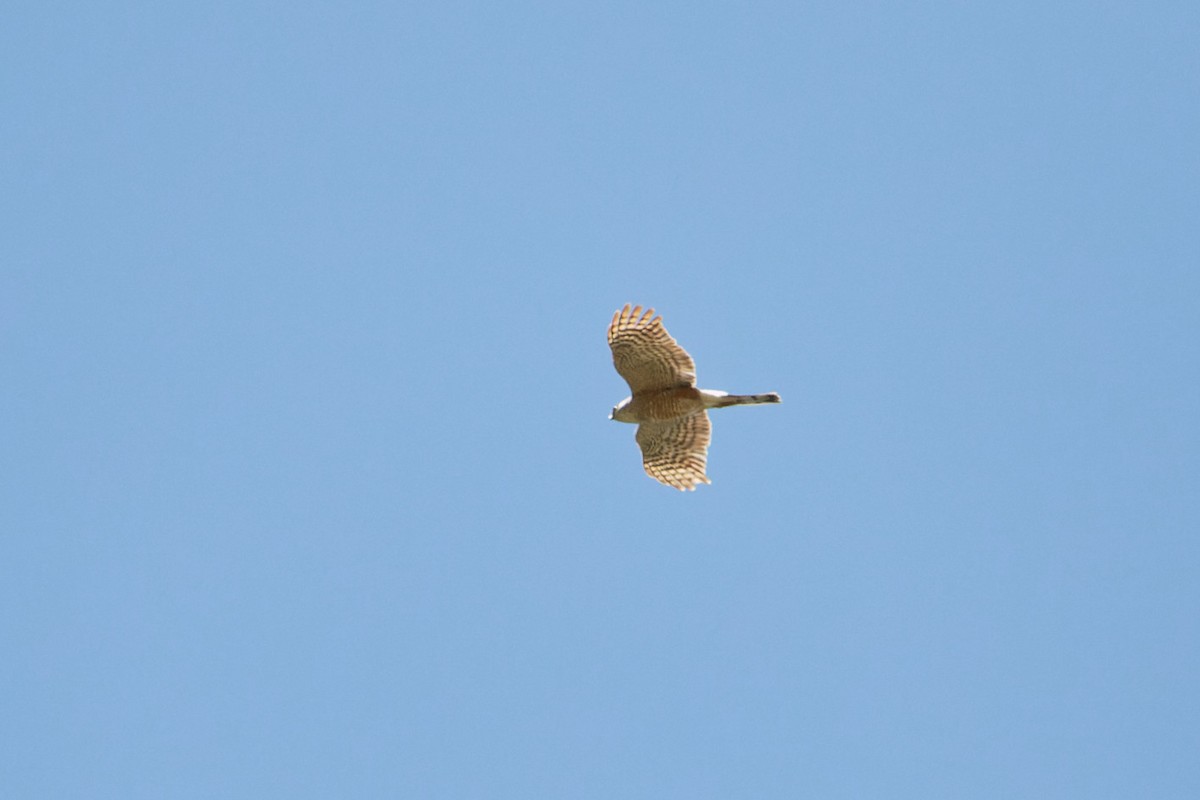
<point x="670" y="412"/>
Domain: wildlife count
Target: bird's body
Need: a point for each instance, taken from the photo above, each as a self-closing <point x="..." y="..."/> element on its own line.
<point x="679" y="401"/>
<point x="671" y="413"/>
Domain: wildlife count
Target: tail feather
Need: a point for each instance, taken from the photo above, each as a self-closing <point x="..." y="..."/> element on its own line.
<point x="746" y="399"/>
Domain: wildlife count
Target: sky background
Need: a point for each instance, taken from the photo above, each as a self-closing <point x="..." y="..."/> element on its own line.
<point x="307" y="487"/>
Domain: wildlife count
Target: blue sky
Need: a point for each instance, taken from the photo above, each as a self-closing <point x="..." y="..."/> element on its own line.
<point x="308" y="486"/>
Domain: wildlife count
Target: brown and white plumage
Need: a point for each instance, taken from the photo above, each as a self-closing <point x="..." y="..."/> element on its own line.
<point x="644" y="353"/>
<point x="675" y="452"/>
<point x="673" y="426"/>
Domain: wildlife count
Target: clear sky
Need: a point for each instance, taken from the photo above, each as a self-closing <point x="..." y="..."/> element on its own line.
<point x="307" y="484"/>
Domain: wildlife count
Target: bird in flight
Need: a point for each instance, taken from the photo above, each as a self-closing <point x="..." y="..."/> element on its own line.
<point x="670" y="412"/>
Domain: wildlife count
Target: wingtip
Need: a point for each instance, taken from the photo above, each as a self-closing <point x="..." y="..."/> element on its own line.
<point x="635" y="315"/>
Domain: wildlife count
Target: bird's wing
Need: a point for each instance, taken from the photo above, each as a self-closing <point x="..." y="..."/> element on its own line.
<point x="676" y="452"/>
<point x="644" y="353"/>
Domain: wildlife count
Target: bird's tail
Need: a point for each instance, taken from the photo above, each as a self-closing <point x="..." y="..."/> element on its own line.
<point x="744" y="399"/>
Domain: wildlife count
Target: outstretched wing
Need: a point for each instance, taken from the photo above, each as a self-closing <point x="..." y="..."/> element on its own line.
<point x="676" y="452"/>
<point x="644" y="353"/>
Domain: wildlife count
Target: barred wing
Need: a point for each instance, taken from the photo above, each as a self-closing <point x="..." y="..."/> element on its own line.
<point x="644" y="353"/>
<point x="676" y="452"/>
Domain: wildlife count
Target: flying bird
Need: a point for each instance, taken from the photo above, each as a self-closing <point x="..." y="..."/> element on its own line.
<point x="670" y="412"/>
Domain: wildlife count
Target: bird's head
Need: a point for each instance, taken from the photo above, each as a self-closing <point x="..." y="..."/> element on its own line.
<point x="618" y="412"/>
